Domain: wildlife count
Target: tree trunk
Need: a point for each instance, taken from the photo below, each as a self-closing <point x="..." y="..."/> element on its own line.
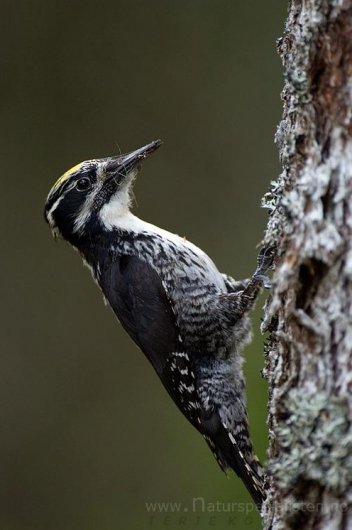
<point x="309" y="315"/>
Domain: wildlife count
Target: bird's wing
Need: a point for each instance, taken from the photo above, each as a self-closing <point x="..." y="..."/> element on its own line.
<point x="136" y="294"/>
<point x="138" y="298"/>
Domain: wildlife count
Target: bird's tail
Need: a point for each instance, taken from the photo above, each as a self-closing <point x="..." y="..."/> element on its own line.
<point x="241" y="459"/>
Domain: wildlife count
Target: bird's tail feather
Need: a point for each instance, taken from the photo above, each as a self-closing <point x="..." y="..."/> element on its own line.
<point x="245" y="464"/>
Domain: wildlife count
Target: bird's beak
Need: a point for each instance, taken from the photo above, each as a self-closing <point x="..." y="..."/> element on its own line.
<point x="124" y="164"/>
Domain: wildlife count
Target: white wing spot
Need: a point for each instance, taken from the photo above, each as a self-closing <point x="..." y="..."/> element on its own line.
<point x="189" y="388"/>
<point x="181" y="354"/>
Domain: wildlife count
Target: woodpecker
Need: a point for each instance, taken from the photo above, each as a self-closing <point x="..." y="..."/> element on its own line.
<point x="190" y="320"/>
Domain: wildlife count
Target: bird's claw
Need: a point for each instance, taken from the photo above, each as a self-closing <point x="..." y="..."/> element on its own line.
<point x="264" y="260"/>
<point x="264" y="280"/>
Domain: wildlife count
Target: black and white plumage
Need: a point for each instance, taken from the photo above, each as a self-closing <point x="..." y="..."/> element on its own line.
<point x="190" y="320"/>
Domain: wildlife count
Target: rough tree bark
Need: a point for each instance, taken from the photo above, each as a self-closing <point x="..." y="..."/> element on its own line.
<point x="309" y="315"/>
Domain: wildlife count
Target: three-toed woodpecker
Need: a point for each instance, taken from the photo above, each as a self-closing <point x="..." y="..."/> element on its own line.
<point x="190" y="320"/>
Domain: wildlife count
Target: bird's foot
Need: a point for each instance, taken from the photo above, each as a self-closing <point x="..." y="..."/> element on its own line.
<point x="264" y="260"/>
<point x="264" y="280"/>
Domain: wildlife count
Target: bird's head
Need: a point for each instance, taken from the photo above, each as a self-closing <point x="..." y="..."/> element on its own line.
<point x="84" y="197"/>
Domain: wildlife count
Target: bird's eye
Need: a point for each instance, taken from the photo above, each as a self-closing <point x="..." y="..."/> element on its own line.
<point x="83" y="184"/>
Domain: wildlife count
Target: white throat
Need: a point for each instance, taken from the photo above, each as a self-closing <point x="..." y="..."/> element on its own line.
<point x="116" y="210"/>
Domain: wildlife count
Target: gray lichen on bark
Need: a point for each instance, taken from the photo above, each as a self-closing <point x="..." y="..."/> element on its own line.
<point x="309" y="314"/>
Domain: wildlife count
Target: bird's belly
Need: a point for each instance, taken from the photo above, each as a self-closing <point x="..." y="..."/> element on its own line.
<point x="201" y="328"/>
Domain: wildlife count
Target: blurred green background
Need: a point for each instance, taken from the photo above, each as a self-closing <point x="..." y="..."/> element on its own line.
<point x="88" y="435"/>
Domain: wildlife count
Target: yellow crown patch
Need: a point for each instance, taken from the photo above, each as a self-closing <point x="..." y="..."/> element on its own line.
<point x="67" y="174"/>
